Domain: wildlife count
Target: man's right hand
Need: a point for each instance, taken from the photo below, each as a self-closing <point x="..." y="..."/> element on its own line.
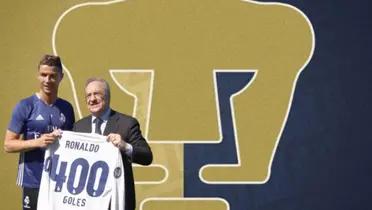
<point x="14" y="143"/>
<point x="48" y="138"/>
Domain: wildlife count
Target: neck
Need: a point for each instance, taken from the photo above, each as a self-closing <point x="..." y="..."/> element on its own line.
<point x="100" y="114"/>
<point x="47" y="98"/>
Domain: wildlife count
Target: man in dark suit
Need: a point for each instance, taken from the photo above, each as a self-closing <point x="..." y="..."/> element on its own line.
<point x="122" y="130"/>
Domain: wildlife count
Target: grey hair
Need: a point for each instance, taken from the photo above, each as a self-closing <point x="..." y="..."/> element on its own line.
<point x="105" y="84"/>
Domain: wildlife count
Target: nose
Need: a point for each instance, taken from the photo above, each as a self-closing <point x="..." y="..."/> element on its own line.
<point x="91" y="98"/>
<point x="47" y="79"/>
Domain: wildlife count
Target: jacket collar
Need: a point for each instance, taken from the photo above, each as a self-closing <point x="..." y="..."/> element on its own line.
<point x="111" y="126"/>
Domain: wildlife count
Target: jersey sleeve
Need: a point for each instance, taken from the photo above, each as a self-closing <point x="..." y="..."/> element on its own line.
<point x="70" y="119"/>
<point x="19" y="117"/>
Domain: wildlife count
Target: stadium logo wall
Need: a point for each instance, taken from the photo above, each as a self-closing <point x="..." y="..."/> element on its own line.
<point x="211" y="83"/>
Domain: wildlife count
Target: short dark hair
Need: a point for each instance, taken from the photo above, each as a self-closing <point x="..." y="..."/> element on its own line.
<point x="51" y="60"/>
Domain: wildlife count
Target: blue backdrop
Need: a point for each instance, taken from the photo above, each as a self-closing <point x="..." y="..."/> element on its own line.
<point x="323" y="159"/>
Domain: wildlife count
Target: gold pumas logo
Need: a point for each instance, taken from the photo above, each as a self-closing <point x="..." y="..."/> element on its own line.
<point x="166" y="61"/>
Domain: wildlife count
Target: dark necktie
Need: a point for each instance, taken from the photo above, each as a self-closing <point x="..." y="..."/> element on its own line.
<point x="98" y="122"/>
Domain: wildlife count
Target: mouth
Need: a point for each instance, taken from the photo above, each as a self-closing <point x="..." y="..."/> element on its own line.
<point x="47" y="87"/>
<point x="94" y="105"/>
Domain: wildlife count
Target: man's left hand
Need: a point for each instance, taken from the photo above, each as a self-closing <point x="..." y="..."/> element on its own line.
<point x="116" y="140"/>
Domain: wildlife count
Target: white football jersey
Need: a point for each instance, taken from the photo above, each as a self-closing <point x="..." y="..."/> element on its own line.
<point x="82" y="171"/>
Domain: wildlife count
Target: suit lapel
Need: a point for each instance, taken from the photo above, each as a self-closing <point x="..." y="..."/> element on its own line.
<point x="87" y="125"/>
<point x="111" y="126"/>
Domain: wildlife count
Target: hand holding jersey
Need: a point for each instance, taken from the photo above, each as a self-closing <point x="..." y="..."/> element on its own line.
<point x="116" y="140"/>
<point x="48" y="138"/>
